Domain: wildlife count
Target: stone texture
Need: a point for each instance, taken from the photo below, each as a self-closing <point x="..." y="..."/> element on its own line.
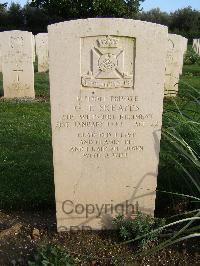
<point x="17" y="65"/>
<point x="107" y="88"/>
<point x="33" y="40"/>
<point x="184" y="46"/>
<point x="177" y="46"/>
<point x="196" y="45"/>
<point x="1" y="38"/>
<point x="42" y="52"/>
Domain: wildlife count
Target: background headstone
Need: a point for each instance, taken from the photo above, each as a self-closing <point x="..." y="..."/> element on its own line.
<point x="1" y="38"/>
<point x="107" y="89"/>
<point x="196" y="46"/>
<point x="184" y="45"/>
<point x="17" y="64"/>
<point x="177" y="46"/>
<point x="42" y="51"/>
<point x="33" y="39"/>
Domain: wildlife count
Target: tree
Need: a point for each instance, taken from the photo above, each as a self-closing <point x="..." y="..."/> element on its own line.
<point x="133" y="8"/>
<point x="39" y="13"/>
<point x="186" y="21"/>
<point x="156" y="16"/>
<point x="35" y="19"/>
<point x="3" y="7"/>
<point x="16" y="16"/>
<point x="3" y="17"/>
<point x="71" y="9"/>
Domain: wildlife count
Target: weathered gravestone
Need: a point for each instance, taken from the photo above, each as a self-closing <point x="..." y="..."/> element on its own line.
<point x="33" y="45"/>
<point x="184" y="47"/>
<point x="196" y="46"/>
<point x="0" y="59"/>
<point x="107" y="88"/>
<point x="17" y="65"/>
<point x="177" y="46"/>
<point x="42" y="51"/>
<point x="1" y="38"/>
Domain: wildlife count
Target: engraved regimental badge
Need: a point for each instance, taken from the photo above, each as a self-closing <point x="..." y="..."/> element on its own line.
<point x="109" y="63"/>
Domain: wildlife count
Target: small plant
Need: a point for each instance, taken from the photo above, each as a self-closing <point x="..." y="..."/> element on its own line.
<point x="189" y="74"/>
<point x="141" y="225"/>
<point x="51" y="255"/>
<point x="191" y="57"/>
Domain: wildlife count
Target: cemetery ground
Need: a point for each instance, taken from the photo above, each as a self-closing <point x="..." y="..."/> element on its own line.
<point x="27" y="211"/>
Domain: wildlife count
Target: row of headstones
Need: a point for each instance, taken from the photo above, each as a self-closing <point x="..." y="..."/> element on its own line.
<point x="196" y="46"/>
<point x="40" y="48"/>
<point x="18" y="51"/>
<point x="18" y="54"/>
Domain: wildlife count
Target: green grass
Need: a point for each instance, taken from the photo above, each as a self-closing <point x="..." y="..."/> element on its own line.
<point x="26" y="175"/>
<point x="26" y="167"/>
<point x="191" y="69"/>
<point x="179" y="156"/>
<point x="42" y="85"/>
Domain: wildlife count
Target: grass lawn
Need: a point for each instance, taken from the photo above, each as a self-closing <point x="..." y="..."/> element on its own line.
<point x="27" y="187"/>
<point x="26" y="167"/>
<point x="191" y="69"/>
<point x="42" y="85"/>
<point x="26" y="177"/>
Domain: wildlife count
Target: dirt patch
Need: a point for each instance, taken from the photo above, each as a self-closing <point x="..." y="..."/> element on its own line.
<point x="22" y="232"/>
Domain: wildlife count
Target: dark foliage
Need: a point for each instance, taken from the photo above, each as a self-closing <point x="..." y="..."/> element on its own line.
<point x="39" y="13"/>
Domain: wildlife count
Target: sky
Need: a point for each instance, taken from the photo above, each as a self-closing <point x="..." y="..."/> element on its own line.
<point x="164" y="5"/>
<point x="170" y="5"/>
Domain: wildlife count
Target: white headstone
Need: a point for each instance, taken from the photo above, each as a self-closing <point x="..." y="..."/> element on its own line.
<point x="1" y="38"/>
<point x="196" y="46"/>
<point x="184" y="44"/>
<point x="42" y="51"/>
<point x="17" y="64"/>
<point x="33" y="39"/>
<point x="177" y="46"/>
<point x="107" y="87"/>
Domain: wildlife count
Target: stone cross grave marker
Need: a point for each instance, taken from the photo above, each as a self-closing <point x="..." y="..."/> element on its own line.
<point x="17" y="64"/>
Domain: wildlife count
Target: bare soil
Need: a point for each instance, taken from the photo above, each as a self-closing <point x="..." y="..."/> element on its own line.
<point x="22" y="232"/>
